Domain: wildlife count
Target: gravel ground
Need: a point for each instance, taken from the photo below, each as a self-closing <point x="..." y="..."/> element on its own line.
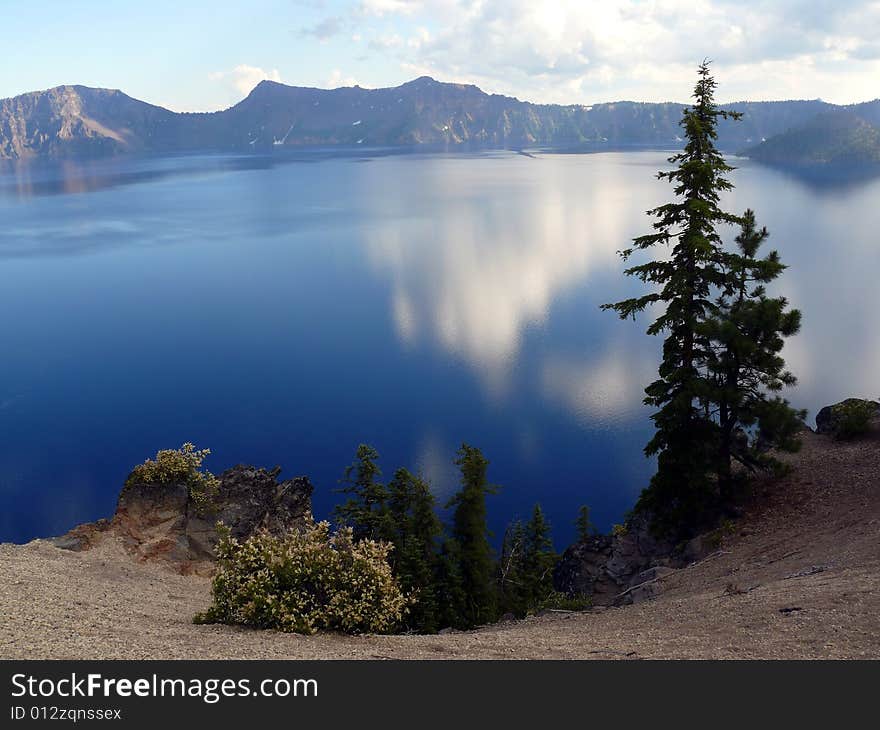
<point x="797" y="577"/>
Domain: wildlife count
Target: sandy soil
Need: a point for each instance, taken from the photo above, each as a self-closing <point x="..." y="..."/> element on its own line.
<point x="798" y="577"/>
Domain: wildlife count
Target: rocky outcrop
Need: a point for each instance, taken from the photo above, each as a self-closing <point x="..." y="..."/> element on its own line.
<point x="581" y="571"/>
<point x="161" y="522"/>
<point x="829" y="418"/>
<point x="627" y="567"/>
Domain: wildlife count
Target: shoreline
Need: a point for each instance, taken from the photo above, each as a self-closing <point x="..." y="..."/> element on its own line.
<point x="798" y="578"/>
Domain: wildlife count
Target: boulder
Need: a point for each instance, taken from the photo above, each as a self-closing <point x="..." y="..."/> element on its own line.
<point x="828" y="418"/>
<point x="250" y="499"/>
<point x="603" y="566"/>
<point x="161" y="523"/>
<point x="581" y="570"/>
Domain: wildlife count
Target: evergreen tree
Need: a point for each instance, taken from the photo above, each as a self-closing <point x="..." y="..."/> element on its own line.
<point x="685" y="440"/>
<point x="722" y="339"/>
<point x="583" y="525"/>
<point x="366" y="510"/>
<point x="471" y="535"/>
<point x="747" y="334"/>
<point x="512" y="596"/>
<point x="452" y="598"/>
<point x="539" y="559"/>
<point x="414" y="559"/>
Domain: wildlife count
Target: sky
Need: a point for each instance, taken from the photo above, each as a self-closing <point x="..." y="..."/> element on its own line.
<point x="203" y="56"/>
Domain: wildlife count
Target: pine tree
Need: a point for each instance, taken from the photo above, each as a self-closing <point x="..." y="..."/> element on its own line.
<point x="512" y="592"/>
<point x="414" y="559"/>
<point x="366" y="511"/>
<point x="471" y="536"/>
<point x="724" y="334"/>
<point x="748" y="335"/>
<point x="583" y="525"/>
<point x="685" y="439"/>
<point x="525" y="567"/>
<point x="539" y="559"/>
<point x="451" y="595"/>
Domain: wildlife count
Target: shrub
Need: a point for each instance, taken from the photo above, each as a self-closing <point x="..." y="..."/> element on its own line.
<point x="619" y="530"/>
<point x="563" y="602"/>
<point x="181" y="465"/>
<point x="852" y="418"/>
<point x="305" y="582"/>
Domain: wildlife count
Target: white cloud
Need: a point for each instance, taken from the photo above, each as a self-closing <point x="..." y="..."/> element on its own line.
<point x="243" y="78"/>
<point x="586" y="50"/>
<point x="325" y="29"/>
<point x="386" y="42"/>
<point x="390" y="7"/>
<point x="338" y="78"/>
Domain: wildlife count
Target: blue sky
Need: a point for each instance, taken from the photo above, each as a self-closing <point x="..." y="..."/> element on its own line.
<point x="191" y="56"/>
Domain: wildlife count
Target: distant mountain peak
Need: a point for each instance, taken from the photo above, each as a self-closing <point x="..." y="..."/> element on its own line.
<point x="422" y="81"/>
<point x="268" y="84"/>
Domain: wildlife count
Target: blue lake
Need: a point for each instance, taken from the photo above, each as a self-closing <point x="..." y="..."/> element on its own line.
<point x="282" y="312"/>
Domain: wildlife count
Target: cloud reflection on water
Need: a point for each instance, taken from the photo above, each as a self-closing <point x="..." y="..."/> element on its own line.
<point x="478" y="273"/>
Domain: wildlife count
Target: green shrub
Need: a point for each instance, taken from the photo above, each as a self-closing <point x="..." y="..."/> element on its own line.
<point x="852" y="418"/>
<point x="305" y="582"/>
<point x="619" y="530"/>
<point x="180" y="466"/>
<point x="563" y="602"/>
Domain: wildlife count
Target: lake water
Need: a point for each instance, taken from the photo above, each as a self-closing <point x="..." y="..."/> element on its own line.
<point x="283" y="312"/>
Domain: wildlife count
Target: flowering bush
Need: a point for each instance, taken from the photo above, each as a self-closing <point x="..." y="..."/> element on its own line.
<point x="183" y="466"/>
<point x="305" y="582"/>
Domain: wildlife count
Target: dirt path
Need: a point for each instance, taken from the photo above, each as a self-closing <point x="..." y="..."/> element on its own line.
<point x="821" y="525"/>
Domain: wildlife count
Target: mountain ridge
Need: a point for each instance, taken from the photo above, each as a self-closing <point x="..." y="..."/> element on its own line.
<point x="838" y="137"/>
<point x="80" y="121"/>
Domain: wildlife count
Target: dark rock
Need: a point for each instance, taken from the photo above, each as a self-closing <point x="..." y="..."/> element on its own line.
<point x="581" y="570"/>
<point x="250" y="499"/>
<point x="828" y="419"/>
<point x="635" y="550"/>
<point x="604" y="566"/>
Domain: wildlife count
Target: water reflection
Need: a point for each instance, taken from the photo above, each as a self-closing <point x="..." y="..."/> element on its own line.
<point x="606" y="388"/>
<point x="286" y="313"/>
<point x="474" y="273"/>
<point x="828" y="237"/>
<point x="27" y="178"/>
<point x="33" y="178"/>
<point x="484" y="271"/>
